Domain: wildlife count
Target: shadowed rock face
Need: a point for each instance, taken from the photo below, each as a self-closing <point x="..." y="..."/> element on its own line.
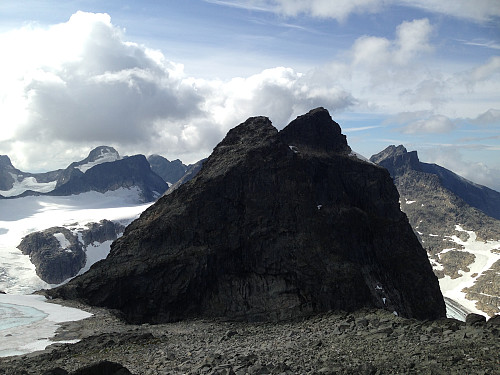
<point x="275" y="225"/>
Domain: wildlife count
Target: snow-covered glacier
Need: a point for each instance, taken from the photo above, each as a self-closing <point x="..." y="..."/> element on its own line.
<point x="21" y="216"/>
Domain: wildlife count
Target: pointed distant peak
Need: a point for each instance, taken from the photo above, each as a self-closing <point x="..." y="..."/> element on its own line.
<point x="99" y="155"/>
<point x="388" y="153"/>
<point x="397" y="159"/>
<point x="317" y="131"/>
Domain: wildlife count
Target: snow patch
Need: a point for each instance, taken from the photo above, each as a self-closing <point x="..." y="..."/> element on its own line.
<point x="21" y="216"/>
<point x="95" y="252"/>
<point x="63" y="241"/>
<point x="27" y="183"/>
<point x="484" y="260"/>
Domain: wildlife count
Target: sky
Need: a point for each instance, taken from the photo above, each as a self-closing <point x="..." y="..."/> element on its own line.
<point x="172" y="77"/>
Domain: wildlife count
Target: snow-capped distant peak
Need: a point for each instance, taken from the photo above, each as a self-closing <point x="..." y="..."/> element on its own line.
<point x="99" y="155"/>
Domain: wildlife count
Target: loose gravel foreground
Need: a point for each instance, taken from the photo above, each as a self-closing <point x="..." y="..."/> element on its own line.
<point x="364" y="342"/>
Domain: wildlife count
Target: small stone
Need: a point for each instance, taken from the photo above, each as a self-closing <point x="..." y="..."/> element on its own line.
<point x="494" y="321"/>
<point x="475" y="319"/>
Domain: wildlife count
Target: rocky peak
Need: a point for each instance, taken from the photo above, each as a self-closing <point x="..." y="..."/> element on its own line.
<point x="98" y="155"/>
<point x="389" y="153"/>
<point x="397" y="159"/>
<point x="103" y="152"/>
<point x="316" y="131"/>
<point x="266" y="232"/>
<point x="251" y="135"/>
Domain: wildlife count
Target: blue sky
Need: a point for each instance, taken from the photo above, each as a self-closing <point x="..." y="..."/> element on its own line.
<point x="172" y="77"/>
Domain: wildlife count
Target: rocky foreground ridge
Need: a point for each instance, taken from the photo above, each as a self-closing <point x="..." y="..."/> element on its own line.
<point x="365" y="342"/>
<point x="275" y="225"/>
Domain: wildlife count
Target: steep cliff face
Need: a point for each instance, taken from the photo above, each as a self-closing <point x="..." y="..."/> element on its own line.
<point x="275" y="225"/>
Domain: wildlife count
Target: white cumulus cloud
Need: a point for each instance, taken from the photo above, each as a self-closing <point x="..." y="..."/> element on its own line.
<point x="80" y="84"/>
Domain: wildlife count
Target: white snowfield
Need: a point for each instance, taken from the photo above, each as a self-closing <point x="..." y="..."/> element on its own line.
<point x="29" y="183"/>
<point x="28" y="322"/>
<point x="21" y="216"/>
<point x="484" y="259"/>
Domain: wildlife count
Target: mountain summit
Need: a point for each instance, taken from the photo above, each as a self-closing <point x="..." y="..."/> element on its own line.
<point x="275" y="225"/>
<point x="399" y="161"/>
<point x="103" y="170"/>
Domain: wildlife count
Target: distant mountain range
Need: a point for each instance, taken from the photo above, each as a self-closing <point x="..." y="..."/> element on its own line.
<point x="456" y="221"/>
<point x="102" y="170"/>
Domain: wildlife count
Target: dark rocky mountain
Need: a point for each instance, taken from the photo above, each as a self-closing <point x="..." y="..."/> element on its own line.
<point x="398" y="160"/>
<point x="436" y="200"/>
<point x="275" y="225"/>
<point x="170" y="171"/>
<point x="133" y="171"/>
<point x="58" y="254"/>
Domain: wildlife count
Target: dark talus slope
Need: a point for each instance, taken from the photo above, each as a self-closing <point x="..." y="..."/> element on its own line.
<point x="275" y="225"/>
